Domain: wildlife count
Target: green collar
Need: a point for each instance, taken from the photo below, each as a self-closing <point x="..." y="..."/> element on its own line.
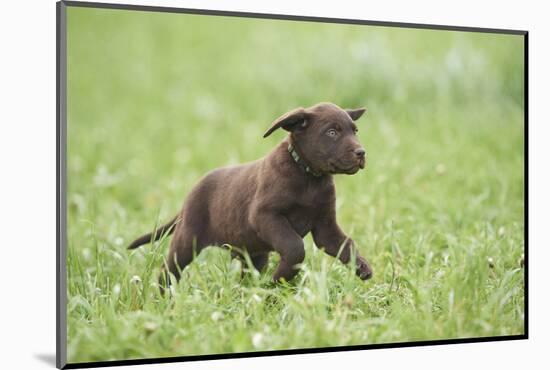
<point x="301" y="162"/>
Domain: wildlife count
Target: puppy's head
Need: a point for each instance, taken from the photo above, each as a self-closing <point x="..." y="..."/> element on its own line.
<point x="325" y="136"/>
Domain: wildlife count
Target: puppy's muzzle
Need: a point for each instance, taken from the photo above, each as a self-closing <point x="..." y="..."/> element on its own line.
<point x="360" y="154"/>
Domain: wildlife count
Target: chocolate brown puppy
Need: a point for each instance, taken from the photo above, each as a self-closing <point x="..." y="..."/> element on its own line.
<point x="271" y="204"/>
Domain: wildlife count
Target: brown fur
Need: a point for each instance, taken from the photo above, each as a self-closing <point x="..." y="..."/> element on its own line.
<point x="272" y="203"/>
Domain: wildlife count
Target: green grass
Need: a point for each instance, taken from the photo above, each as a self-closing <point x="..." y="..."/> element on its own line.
<point x="157" y="100"/>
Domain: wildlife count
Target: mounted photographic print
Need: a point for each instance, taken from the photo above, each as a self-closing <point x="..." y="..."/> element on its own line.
<point x="236" y="184"/>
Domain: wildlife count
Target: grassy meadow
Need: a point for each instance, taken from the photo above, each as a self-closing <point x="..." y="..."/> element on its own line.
<point x="157" y="100"/>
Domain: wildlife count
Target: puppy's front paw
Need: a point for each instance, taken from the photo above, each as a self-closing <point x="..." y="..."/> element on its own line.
<point x="363" y="269"/>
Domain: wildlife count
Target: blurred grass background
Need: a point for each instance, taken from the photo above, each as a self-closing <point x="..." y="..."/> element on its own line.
<point x="156" y="100"/>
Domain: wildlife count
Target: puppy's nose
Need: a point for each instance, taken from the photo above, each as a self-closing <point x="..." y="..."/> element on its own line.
<point x="359" y="152"/>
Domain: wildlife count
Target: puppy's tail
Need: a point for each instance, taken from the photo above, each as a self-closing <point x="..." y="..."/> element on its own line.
<point x="165" y="229"/>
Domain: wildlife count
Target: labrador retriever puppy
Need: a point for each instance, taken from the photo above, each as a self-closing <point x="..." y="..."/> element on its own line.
<point x="271" y="204"/>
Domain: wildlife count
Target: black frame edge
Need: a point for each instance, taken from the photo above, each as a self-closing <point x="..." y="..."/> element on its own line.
<point x="61" y="180"/>
<point x="526" y="180"/>
<point x="227" y="13"/>
<point x="209" y="357"/>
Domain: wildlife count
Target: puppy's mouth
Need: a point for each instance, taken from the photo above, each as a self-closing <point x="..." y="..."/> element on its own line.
<point x="352" y="170"/>
<point x="349" y="170"/>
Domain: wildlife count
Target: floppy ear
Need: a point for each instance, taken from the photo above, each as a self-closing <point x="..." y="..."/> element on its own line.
<point x="355" y="114"/>
<point x="288" y="121"/>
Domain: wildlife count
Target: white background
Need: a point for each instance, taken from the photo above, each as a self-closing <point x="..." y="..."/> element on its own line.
<point x="27" y="185"/>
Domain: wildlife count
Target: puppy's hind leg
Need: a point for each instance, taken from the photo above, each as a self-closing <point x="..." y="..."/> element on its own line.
<point x="183" y="249"/>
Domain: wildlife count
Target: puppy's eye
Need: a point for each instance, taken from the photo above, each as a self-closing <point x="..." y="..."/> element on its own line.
<point x="332" y="132"/>
<point x="356" y="130"/>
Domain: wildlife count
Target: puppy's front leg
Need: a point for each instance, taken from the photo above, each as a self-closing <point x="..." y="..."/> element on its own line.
<point x="328" y="235"/>
<point x="275" y="230"/>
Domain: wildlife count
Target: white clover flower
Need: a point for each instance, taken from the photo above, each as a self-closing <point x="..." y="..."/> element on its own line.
<point x="257" y="340"/>
<point x="135" y="279"/>
<point x="216" y="316"/>
<point x="150" y="326"/>
<point x="86" y="254"/>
